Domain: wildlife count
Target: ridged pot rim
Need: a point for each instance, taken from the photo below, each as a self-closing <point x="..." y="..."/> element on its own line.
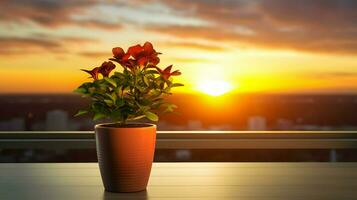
<point x="105" y="126"/>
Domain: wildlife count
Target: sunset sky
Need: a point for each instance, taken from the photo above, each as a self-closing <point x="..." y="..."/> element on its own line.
<point x="288" y="46"/>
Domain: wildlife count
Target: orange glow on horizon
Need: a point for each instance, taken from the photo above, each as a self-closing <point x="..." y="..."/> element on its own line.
<point x="231" y="70"/>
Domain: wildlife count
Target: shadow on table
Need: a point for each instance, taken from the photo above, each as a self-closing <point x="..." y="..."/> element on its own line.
<point x="143" y="195"/>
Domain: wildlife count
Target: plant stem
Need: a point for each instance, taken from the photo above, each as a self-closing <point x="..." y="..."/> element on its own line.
<point x="122" y="122"/>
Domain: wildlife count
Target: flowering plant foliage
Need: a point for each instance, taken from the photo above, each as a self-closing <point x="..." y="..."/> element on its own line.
<point x="132" y="93"/>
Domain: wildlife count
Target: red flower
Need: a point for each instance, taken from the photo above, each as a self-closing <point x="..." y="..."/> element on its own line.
<point x="136" y="55"/>
<point x="118" y="53"/>
<point x="94" y="72"/>
<point x="166" y="73"/>
<point x="145" y="54"/>
<point x="135" y="51"/>
<point x="120" y="56"/>
<point x="106" y="68"/>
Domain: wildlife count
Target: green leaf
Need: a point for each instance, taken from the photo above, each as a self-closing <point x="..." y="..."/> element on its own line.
<point x="108" y="102"/>
<point x="136" y="118"/>
<point x="170" y="108"/>
<point x="111" y="81"/>
<point x="112" y="96"/>
<point x="119" y="75"/>
<point x="151" y="116"/>
<point x="152" y="72"/>
<point x="98" y="116"/>
<point x="80" y="90"/>
<point x="116" y="114"/>
<point x="155" y="93"/>
<point x="146" y="81"/>
<point x="91" y="90"/>
<point x="100" y="107"/>
<point x="177" y="85"/>
<point x="167" y="90"/>
<point x="145" y="102"/>
<point x="119" y="102"/>
<point x="81" y="112"/>
<point x="97" y="83"/>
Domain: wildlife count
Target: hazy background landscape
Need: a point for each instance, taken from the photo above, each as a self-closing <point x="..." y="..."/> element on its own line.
<point x="275" y="64"/>
<point x="246" y="65"/>
<point x="194" y="112"/>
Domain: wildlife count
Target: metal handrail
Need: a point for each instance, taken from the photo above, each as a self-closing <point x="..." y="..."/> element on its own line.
<point x="192" y="139"/>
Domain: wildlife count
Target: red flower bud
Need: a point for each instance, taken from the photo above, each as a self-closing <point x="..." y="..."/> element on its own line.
<point x="166" y="73"/>
<point x="94" y="72"/>
<point x="118" y="53"/>
<point x="106" y="68"/>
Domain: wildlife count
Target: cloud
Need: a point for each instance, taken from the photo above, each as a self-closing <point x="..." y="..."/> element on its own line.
<point x="95" y="54"/>
<point x="43" y="12"/>
<point x="189" y="60"/>
<point x="328" y="26"/>
<point x="319" y="25"/>
<point x="194" y="32"/>
<point x="20" y="46"/>
<point x="74" y="39"/>
<point x="51" y="13"/>
<point x="100" y="25"/>
<point x="316" y="15"/>
<point x="330" y="75"/>
<point x="195" y="45"/>
<point x="39" y="43"/>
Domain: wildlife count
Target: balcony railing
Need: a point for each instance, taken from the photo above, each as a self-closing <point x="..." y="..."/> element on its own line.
<point x="331" y="140"/>
<point x="193" y="139"/>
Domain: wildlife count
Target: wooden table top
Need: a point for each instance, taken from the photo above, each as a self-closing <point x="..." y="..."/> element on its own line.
<point x="207" y="181"/>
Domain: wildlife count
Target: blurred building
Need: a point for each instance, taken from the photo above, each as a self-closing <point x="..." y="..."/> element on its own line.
<point x="194" y="125"/>
<point x="221" y="127"/>
<point x="57" y="120"/>
<point x="257" y="123"/>
<point x="284" y="124"/>
<point x="14" y="124"/>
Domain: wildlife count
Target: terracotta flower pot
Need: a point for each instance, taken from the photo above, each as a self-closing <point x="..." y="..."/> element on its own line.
<point x="125" y="155"/>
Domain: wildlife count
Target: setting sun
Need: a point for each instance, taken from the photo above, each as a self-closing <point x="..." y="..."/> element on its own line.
<point x="214" y="87"/>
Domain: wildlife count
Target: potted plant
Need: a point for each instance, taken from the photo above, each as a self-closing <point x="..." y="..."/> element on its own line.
<point x="125" y="150"/>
